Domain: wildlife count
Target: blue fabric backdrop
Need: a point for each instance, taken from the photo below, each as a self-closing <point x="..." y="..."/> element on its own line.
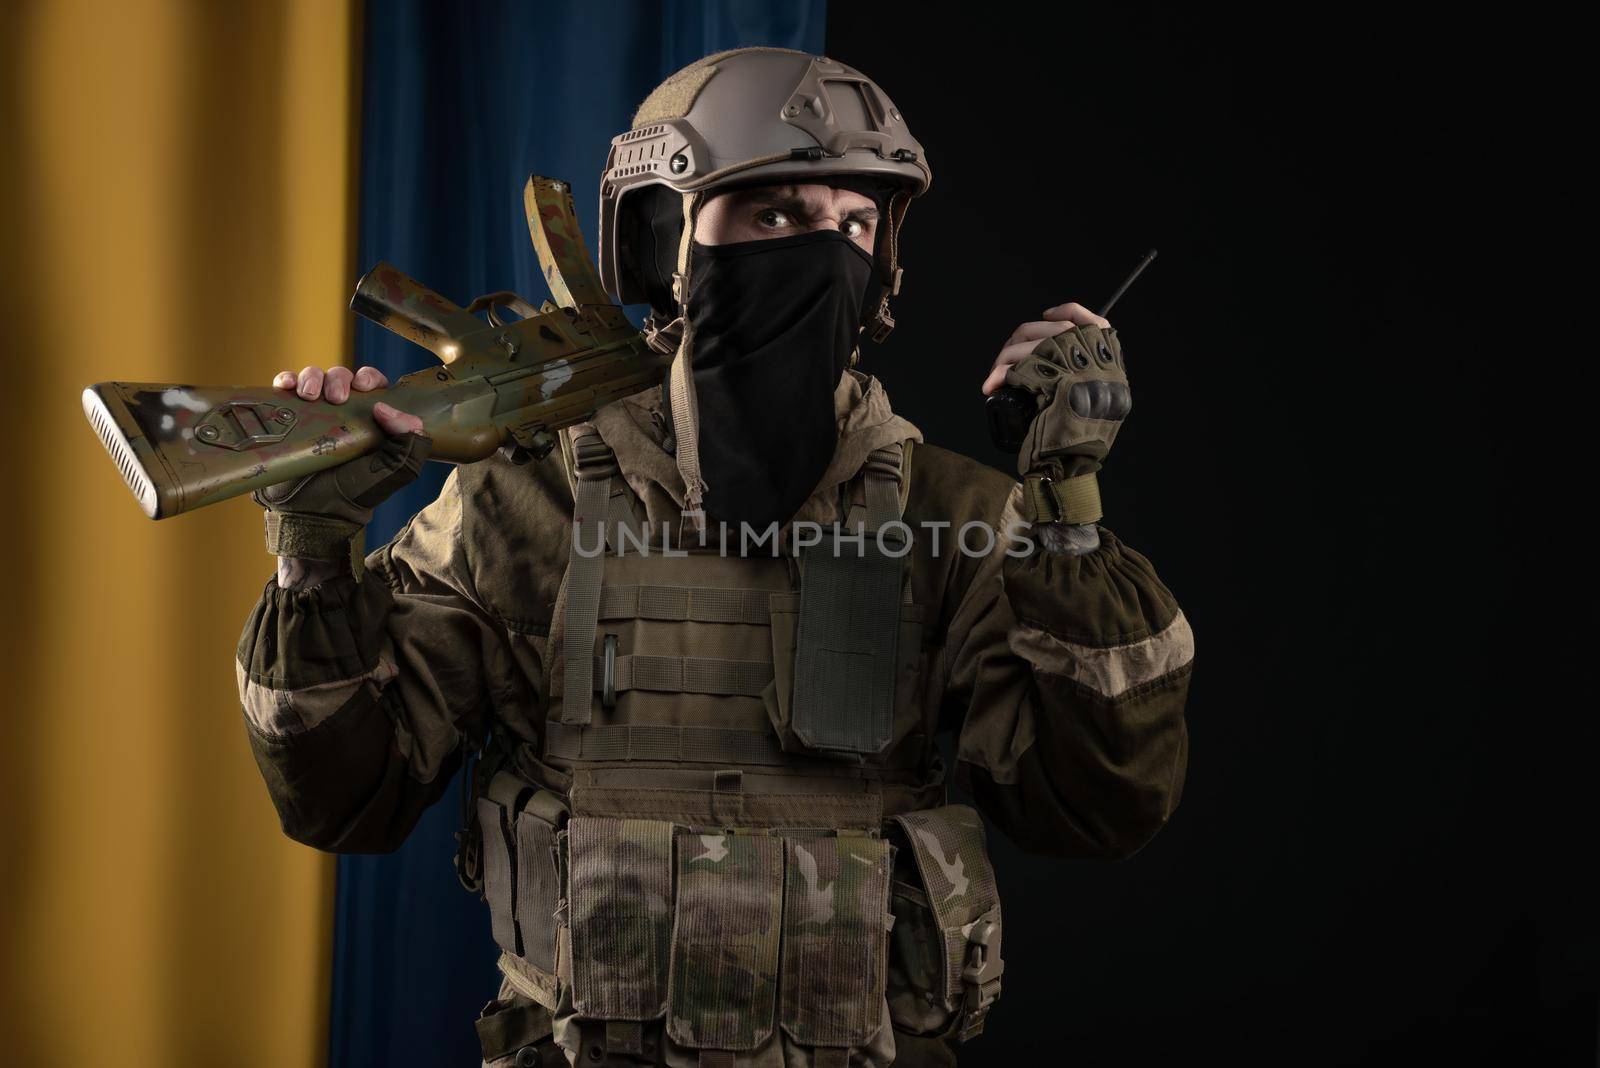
<point x="460" y="102"/>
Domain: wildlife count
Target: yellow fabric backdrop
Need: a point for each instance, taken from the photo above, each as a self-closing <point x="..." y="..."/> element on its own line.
<point x="178" y="206"/>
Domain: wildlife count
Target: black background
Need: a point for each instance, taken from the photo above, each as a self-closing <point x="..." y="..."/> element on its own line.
<point x="1370" y="863"/>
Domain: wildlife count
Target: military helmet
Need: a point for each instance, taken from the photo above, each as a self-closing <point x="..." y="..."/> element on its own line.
<point x="752" y="116"/>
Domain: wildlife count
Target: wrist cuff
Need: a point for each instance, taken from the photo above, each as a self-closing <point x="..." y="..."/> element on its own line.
<point x="1073" y="500"/>
<point x="311" y="537"/>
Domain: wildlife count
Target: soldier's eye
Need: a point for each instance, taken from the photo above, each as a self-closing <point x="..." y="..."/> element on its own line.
<point x="853" y="228"/>
<point x="773" y="219"/>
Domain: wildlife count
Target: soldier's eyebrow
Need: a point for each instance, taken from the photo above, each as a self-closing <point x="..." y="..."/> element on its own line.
<point x="783" y="197"/>
<point x="787" y="198"/>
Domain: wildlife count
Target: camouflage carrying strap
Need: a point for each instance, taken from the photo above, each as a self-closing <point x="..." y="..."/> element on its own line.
<point x="1073" y="500"/>
<point x="595" y="465"/>
<point x="736" y="746"/>
<point x="848" y="630"/>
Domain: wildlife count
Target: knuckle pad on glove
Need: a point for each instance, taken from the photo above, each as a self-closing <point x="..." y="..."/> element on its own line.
<point x="280" y="493"/>
<point x="1084" y="405"/>
<point x="1034" y="373"/>
<point x="368" y="482"/>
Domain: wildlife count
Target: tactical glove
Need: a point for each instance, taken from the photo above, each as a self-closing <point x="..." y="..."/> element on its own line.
<point x="1081" y="387"/>
<point x="323" y="516"/>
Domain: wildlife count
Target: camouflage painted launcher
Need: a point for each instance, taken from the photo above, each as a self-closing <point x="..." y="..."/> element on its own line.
<point x="501" y="384"/>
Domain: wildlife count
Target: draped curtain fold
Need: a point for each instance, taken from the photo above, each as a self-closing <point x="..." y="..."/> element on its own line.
<point x="178" y="197"/>
<point x="460" y="103"/>
<point x="187" y="186"/>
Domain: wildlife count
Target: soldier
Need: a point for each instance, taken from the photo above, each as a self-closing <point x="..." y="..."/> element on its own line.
<point x="711" y="818"/>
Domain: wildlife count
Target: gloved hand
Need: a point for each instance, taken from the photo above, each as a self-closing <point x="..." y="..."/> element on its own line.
<point x="323" y="516"/>
<point x="1081" y="384"/>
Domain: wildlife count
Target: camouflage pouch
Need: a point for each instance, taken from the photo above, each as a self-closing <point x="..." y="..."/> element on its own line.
<point x="835" y="940"/>
<point x="538" y="891"/>
<point x="953" y="861"/>
<point x="619" y="916"/>
<point x="499" y="851"/>
<point x="916" y="958"/>
<point x="724" y="974"/>
<point x="521" y="882"/>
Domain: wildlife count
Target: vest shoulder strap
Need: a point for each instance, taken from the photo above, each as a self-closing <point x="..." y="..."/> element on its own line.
<point x="882" y="486"/>
<point x="594" y="467"/>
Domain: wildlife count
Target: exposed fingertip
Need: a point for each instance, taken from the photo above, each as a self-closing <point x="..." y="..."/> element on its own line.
<point x="382" y="409"/>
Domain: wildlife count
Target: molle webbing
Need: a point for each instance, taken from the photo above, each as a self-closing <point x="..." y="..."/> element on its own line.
<point x="664" y="742"/>
<point x="692" y="604"/>
<point x="859" y="812"/>
<point x="596" y="465"/>
<point x="685" y="674"/>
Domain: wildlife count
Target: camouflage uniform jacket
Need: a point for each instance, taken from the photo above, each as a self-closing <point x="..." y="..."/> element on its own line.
<point x="1063" y="677"/>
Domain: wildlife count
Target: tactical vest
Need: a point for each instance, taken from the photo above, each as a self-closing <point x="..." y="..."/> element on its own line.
<point x="728" y="846"/>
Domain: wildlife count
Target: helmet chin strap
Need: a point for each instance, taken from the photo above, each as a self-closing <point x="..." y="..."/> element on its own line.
<point x="685" y="410"/>
<point x="882" y="322"/>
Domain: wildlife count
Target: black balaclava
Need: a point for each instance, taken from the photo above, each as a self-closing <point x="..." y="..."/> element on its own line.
<point x="772" y="325"/>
